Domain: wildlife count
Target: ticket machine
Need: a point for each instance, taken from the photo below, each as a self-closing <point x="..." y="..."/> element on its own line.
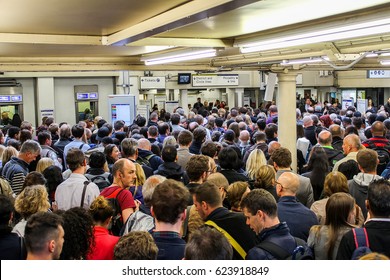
<point x="121" y="107"/>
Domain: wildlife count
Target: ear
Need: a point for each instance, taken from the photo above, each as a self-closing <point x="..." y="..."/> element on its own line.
<point x="367" y="205"/>
<point x="152" y="211"/>
<point x="52" y="245"/>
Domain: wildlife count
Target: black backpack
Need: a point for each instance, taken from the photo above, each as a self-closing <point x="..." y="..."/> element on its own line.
<point x="144" y="160"/>
<point x="361" y="242"/>
<point x="383" y="156"/>
<point x="301" y="252"/>
<point x="100" y="180"/>
<point x="116" y="221"/>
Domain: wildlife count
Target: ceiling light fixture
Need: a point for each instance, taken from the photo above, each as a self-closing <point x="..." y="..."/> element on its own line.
<point x="385" y="62"/>
<point x="179" y="56"/>
<point x="326" y="35"/>
<point x="302" y="61"/>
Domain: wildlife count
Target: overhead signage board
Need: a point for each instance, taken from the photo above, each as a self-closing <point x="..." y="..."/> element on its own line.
<point x="87" y="95"/>
<point x="10" y="98"/>
<point x="152" y="82"/>
<point x="378" y="74"/>
<point x="211" y="80"/>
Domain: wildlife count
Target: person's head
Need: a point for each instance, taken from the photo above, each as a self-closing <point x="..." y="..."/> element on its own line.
<point x="78" y="227"/>
<point x="112" y="153"/>
<point x="53" y="176"/>
<point x="77" y="131"/>
<point x="207" y="243"/>
<point x="325" y="138"/>
<point x="136" y="245"/>
<point x="209" y="148"/>
<point x="318" y="159"/>
<point x="101" y="211"/>
<point x="281" y="157"/>
<point x="44" y="138"/>
<point x="185" y="138"/>
<point x="44" y="163"/>
<point x="25" y="135"/>
<point x="377" y="128"/>
<point x="34" y="178"/>
<point x="14" y="132"/>
<point x="149" y="186"/>
<point x="260" y="210"/>
<point x="75" y="159"/>
<point x="31" y="200"/>
<point x="335" y="182"/>
<point x="169" y="202"/>
<point x="236" y="191"/>
<point x="124" y="173"/>
<point x="340" y="210"/>
<point x="29" y="151"/>
<point x="44" y="236"/>
<point x="199" y="134"/>
<point x="265" y="177"/>
<point x="255" y="160"/>
<point x="8" y="152"/>
<point x="335" y="130"/>
<point x="129" y="147"/>
<point x="169" y="153"/>
<point x="351" y="143"/>
<point x="228" y="158"/>
<point x="6" y="211"/>
<point x="378" y="199"/>
<point x="287" y="184"/>
<point x="97" y="160"/>
<point x="349" y="168"/>
<point x="207" y="197"/>
<point x="220" y="181"/>
<point x="65" y="132"/>
<point x="367" y="160"/>
<point x="197" y="168"/>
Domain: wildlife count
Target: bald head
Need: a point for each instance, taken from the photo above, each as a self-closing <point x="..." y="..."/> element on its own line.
<point x="272" y="146"/>
<point x="378" y="128"/>
<point x="244" y="136"/>
<point x="351" y="143"/>
<point x="335" y="130"/>
<point x="144" y="144"/>
<point x="325" y="138"/>
<point x="288" y="184"/>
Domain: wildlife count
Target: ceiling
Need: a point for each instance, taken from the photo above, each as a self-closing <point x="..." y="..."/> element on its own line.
<point x="74" y="35"/>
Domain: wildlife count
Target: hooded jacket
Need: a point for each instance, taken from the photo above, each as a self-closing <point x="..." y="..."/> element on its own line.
<point x="171" y="170"/>
<point x="358" y="187"/>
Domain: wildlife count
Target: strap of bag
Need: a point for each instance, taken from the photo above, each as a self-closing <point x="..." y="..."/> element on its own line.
<point x="274" y="249"/>
<point x="185" y="223"/>
<point x="81" y="146"/>
<point x="86" y="183"/>
<point x="115" y="193"/>
<point x="231" y="240"/>
<point x="360" y="237"/>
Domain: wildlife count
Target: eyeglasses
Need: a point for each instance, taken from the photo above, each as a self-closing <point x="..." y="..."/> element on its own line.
<point x="277" y="183"/>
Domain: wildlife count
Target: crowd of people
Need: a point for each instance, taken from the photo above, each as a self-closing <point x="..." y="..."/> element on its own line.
<point x="211" y="184"/>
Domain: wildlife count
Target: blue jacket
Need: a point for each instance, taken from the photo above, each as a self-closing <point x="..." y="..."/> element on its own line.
<point x="15" y="172"/>
<point x="280" y="235"/>
<point x="298" y="217"/>
<point x="154" y="161"/>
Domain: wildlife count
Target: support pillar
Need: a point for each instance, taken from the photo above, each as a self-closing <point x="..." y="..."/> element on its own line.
<point x="240" y="97"/>
<point x="231" y="100"/>
<point x="184" y="100"/>
<point x="287" y="133"/>
<point x="45" y="99"/>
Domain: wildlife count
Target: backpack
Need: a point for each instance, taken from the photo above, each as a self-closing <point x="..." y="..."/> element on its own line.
<point x="301" y="252"/>
<point x="138" y="221"/>
<point x="116" y="221"/>
<point x="144" y="161"/>
<point x="361" y="242"/>
<point x="383" y="155"/>
<point x="100" y="180"/>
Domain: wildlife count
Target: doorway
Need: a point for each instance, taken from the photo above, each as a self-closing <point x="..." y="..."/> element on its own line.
<point x="8" y="111"/>
<point x="86" y="110"/>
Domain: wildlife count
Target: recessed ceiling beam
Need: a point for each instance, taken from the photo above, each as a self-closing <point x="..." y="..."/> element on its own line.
<point x="49" y="39"/>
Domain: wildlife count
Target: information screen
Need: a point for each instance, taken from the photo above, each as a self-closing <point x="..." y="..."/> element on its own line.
<point x="121" y="112"/>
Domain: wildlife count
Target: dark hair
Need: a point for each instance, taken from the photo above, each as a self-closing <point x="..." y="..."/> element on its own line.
<point x="228" y="158"/>
<point x="75" y="158"/>
<point x="209" y="148"/>
<point x="349" y="168"/>
<point x="14" y="143"/>
<point x="207" y="243"/>
<point x="25" y="135"/>
<point x="378" y="197"/>
<point x="77" y="131"/>
<point x="197" y="166"/>
<point x="78" y="227"/>
<point x="169" y="200"/>
<point x="97" y="160"/>
<point x="185" y="137"/>
<point x="34" y="178"/>
<point x="43" y="136"/>
<point x="6" y="208"/>
<point x="209" y="193"/>
<point x="12" y="131"/>
<point x="108" y="151"/>
<point x="169" y="153"/>
<point x="260" y="199"/>
<point x="53" y="176"/>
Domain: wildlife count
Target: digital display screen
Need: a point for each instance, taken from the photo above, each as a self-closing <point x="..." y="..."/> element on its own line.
<point x="81" y="96"/>
<point x="120" y="112"/>
<point x="93" y="95"/>
<point x="16" y="98"/>
<point x="5" y="98"/>
<point x="184" y="78"/>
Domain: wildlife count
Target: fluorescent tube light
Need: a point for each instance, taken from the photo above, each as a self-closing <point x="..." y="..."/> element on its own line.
<point x="301" y="61"/>
<point x="179" y="56"/>
<point x="385" y="62"/>
<point x="332" y="34"/>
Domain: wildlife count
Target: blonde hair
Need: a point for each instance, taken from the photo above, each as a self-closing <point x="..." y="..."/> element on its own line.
<point x="335" y="182"/>
<point x="8" y="153"/>
<point x="44" y="163"/>
<point x="31" y="200"/>
<point x="255" y="160"/>
<point x="374" y="256"/>
<point x="265" y="177"/>
<point x="236" y="191"/>
<point x="140" y="177"/>
<point x="100" y="209"/>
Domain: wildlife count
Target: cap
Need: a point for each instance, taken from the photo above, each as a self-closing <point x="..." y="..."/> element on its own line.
<point x="102" y="132"/>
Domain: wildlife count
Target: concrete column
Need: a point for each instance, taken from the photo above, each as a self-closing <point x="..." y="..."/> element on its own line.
<point x="240" y="97"/>
<point x="287" y="133"/>
<point x="231" y="98"/>
<point x="45" y="98"/>
<point x="257" y="95"/>
<point x="184" y="100"/>
<point x="176" y="94"/>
